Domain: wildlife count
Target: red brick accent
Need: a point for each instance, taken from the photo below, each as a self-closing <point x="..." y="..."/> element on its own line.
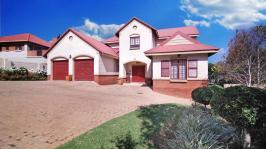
<point x="106" y="79"/>
<point x="181" y="89"/>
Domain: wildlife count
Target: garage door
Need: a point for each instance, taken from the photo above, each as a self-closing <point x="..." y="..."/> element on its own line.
<point x="60" y="70"/>
<point x="138" y="73"/>
<point x="83" y="70"/>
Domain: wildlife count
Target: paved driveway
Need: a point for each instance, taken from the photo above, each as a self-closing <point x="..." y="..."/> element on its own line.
<point x="46" y="114"/>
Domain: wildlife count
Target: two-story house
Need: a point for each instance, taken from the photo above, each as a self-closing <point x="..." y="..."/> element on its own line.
<point x="171" y="60"/>
<point x="23" y="50"/>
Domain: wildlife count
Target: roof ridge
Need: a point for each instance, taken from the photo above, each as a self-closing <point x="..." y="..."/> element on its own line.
<point x="181" y="34"/>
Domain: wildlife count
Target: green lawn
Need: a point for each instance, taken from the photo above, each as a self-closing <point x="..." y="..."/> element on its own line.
<point x="143" y="124"/>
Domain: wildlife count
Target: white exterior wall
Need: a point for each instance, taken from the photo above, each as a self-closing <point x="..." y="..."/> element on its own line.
<point x="202" y="59"/>
<point x="108" y="66"/>
<point x="126" y="55"/>
<point x="76" y="47"/>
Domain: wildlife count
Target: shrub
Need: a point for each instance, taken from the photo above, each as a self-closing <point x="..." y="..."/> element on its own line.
<point x="196" y="129"/>
<point x="244" y="107"/>
<point x="202" y="95"/>
<point x="217" y="93"/>
<point x="21" y="74"/>
<point x="125" y="142"/>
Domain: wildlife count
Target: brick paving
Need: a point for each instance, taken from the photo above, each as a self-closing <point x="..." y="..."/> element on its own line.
<point x="45" y="114"/>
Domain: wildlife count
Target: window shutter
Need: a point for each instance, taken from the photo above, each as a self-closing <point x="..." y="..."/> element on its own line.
<point x="193" y="68"/>
<point x="165" y="68"/>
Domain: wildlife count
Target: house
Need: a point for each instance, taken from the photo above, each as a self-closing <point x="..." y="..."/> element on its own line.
<point x="171" y="60"/>
<point x="23" y="50"/>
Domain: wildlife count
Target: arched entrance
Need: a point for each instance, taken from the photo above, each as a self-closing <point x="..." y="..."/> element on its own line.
<point x="135" y="72"/>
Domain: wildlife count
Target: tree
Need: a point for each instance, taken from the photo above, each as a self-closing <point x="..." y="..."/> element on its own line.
<point x="246" y="55"/>
<point x="244" y="107"/>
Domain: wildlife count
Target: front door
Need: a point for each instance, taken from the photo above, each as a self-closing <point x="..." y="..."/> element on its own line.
<point x="138" y="73"/>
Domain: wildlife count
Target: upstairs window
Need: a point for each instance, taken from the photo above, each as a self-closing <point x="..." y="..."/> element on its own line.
<point x="134" y="42"/>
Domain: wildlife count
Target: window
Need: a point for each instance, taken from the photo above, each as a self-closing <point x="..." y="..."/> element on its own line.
<point x="7" y="48"/>
<point x="192" y="68"/>
<point x="134" y="42"/>
<point x="18" y="48"/>
<point x="164" y="68"/>
<point x="39" y="52"/>
<point x="178" y="69"/>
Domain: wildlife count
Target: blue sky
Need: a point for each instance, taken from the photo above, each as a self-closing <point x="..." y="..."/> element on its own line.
<point x="216" y="20"/>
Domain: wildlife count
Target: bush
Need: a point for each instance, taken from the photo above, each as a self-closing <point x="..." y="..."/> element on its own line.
<point x="244" y="107"/>
<point x="196" y="129"/>
<point x="202" y="95"/>
<point x="21" y="74"/>
<point x="125" y="142"/>
<point x="217" y="93"/>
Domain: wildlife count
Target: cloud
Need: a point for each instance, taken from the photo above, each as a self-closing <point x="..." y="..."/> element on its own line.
<point x="196" y="23"/>
<point x="231" y="14"/>
<point x="98" y="31"/>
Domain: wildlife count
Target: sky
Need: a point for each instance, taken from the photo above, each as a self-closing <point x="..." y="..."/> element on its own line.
<point x="216" y="20"/>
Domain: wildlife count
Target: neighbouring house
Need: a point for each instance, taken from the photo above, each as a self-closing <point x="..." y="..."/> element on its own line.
<point x="23" y="50"/>
<point x="170" y="60"/>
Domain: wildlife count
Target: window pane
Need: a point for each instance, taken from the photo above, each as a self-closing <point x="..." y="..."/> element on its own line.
<point x="165" y="64"/>
<point x="165" y="72"/>
<point x="192" y="73"/>
<point x="174" y="73"/>
<point x="192" y="64"/>
<point x="137" y="40"/>
<point x="182" y="69"/>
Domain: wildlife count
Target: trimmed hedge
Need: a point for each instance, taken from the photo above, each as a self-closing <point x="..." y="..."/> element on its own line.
<point x="21" y="74"/>
<point x="205" y="95"/>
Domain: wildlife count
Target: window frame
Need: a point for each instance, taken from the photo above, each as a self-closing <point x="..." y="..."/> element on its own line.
<point x="193" y="68"/>
<point x="162" y="68"/>
<point x="134" y="39"/>
<point x="177" y="61"/>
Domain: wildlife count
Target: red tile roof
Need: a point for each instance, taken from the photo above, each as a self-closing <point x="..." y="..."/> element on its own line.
<point x="181" y="48"/>
<point x="188" y="30"/>
<point x="24" y="38"/>
<point x="113" y="39"/>
<point x="195" y="46"/>
<point x="91" y="41"/>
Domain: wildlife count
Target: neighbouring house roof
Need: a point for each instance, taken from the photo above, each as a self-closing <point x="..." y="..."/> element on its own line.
<point x="192" y="46"/>
<point x="145" y="24"/>
<point x="113" y="39"/>
<point x="24" y="38"/>
<point x="91" y="41"/>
